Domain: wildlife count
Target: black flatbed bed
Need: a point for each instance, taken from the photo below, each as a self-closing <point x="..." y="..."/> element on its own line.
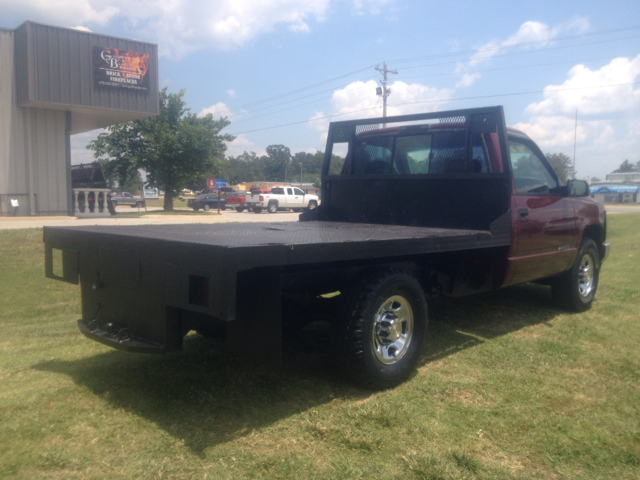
<point x="285" y="243"/>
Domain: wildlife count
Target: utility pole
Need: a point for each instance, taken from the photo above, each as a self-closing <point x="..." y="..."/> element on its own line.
<point x="384" y="92"/>
<point x="575" y="138"/>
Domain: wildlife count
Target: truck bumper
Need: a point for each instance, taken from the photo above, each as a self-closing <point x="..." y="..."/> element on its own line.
<point x="120" y="339"/>
<point x="607" y="250"/>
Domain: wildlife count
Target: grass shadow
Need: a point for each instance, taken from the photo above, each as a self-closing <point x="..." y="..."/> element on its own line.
<point x="204" y="397"/>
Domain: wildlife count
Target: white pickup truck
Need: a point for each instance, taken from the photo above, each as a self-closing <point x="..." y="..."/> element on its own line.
<point x="282" y="198"/>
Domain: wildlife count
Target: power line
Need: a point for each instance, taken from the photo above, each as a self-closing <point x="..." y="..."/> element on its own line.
<point x="520" y="44"/>
<point x="442" y="55"/>
<point x="434" y="101"/>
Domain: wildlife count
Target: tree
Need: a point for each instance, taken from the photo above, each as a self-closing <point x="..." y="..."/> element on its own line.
<point x="278" y="162"/>
<point x="174" y="147"/>
<point x="626" y="167"/>
<point x="562" y="164"/>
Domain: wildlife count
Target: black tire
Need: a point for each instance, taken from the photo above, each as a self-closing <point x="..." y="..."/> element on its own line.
<point x="195" y="209"/>
<point x="383" y="305"/>
<point x="312" y="204"/>
<point x="257" y="209"/>
<point x="206" y="208"/>
<point x="576" y="288"/>
<point x="295" y="209"/>
<point x="239" y="209"/>
<point x="272" y="208"/>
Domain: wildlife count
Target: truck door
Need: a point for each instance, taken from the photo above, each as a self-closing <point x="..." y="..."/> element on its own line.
<point x="543" y="221"/>
<point x="290" y="198"/>
<point x="299" y="198"/>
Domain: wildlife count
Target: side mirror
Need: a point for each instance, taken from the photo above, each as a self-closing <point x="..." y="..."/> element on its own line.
<point x="577" y="188"/>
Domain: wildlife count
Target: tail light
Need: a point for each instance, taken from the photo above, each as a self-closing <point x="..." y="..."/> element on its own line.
<point x="261" y="198"/>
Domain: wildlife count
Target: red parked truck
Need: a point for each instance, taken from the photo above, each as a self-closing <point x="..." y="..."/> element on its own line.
<point x="236" y="200"/>
<point x="451" y="203"/>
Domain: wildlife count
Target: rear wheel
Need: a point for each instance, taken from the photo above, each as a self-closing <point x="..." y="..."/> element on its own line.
<point x="257" y="209"/>
<point x="272" y="208"/>
<point x="195" y="209"/>
<point x="576" y="288"/>
<point x="206" y="208"/>
<point x="381" y="338"/>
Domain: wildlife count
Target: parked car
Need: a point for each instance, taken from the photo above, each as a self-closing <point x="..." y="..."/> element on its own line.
<point x="125" y="198"/>
<point x="187" y="193"/>
<point x="207" y="202"/>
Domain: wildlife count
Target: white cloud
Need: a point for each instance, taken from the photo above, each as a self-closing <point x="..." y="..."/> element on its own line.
<point x="593" y="92"/>
<point x="359" y="100"/>
<point x="231" y="92"/>
<point x="79" y="142"/>
<point x="554" y="133"/>
<point x="371" y="7"/>
<point x="467" y="79"/>
<point x="58" y="12"/>
<point x="242" y="144"/>
<point x="600" y="148"/>
<point x="536" y="34"/>
<point x="179" y="26"/>
<point x="217" y="110"/>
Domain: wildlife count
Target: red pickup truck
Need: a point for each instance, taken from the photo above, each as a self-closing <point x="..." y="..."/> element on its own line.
<point x="452" y="203"/>
<point x="237" y="200"/>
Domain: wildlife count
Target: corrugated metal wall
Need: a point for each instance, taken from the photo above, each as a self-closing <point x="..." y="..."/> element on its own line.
<point x="33" y="150"/>
<point x="55" y="66"/>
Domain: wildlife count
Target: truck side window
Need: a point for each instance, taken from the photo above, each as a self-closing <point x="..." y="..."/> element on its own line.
<point x="530" y="174"/>
<point x="289" y="191"/>
<point x="297" y="191"/>
<point x="479" y="155"/>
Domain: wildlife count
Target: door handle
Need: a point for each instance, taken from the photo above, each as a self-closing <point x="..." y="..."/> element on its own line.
<point x="523" y="212"/>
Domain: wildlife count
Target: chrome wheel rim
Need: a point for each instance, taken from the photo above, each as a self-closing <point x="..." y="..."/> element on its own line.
<point x="586" y="275"/>
<point x="392" y="330"/>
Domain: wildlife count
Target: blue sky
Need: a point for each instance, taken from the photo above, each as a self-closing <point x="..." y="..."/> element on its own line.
<point x="281" y="70"/>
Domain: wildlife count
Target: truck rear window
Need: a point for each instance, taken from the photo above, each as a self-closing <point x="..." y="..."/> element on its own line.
<point x="425" y="153"/>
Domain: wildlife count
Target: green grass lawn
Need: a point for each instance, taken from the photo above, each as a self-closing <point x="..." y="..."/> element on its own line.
<point x="508" y="387"/>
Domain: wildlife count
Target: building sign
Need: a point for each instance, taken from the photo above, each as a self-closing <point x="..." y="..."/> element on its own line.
<point x="216" y="183"/>
<point x="119" y="69"/>
<point x="151" y="192"/>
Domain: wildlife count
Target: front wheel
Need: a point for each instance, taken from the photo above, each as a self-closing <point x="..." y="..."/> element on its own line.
<point x="576" y="288"/>
<point x="239" y="209"/>
<point x="272" y="208"/>
<point x="384" y="331"/>
<point x="206" y="208"/>
<point x="312" y="204"/>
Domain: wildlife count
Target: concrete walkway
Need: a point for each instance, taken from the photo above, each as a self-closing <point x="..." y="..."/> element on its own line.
<point x="228" y="216"/>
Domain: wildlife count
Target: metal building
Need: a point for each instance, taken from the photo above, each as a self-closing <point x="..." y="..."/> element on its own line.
<point x="56" y="82"/>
